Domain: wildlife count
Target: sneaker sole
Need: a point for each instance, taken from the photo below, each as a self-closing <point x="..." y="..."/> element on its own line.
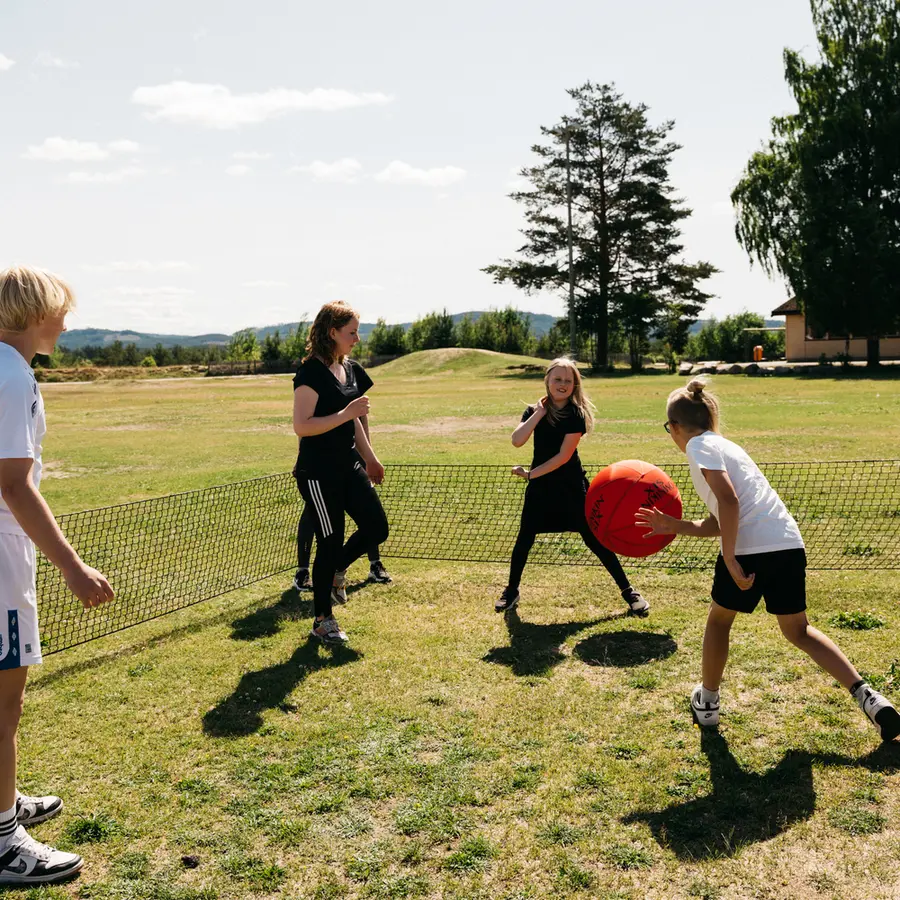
<point x="639" y="613"/>
<point x="37" y="820"/>
<point x="506" y="609"/>
<point x="888" y="720"/>
<point x="334" y="642"/>
<point x="51" y="878"/>
<point x="375" y="580"/>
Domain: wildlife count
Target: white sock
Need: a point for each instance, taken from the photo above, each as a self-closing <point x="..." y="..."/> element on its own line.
<point x="8" y="825"/>
<point x="708" y="696"/>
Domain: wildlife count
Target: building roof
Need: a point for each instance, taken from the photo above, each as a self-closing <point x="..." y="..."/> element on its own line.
<point x="788" y="308"/>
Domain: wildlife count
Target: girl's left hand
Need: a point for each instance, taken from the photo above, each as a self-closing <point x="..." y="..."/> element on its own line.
<point x="375" y="471"/>
<point x="520" y="471"/>
<point x="657" y="522"/>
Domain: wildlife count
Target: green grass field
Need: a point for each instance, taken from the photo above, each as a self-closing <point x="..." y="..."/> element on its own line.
<point x="449" y="752"/>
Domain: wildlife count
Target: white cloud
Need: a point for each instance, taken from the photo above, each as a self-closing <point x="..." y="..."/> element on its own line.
<point x="238" y="170"/>
<point x="57" y="149"/>
<point x="403" y="173"/>
<point x="342" y="170"/>
<point x="49" y="61"/>
<point x="264" y="284"/>
<point x="116" y="176"/>
<point x="368" y="288"/>
<point x="153" y="292"/>
<point x="250" y="154"/>
<point x="215" y="106"/>
<point x="138" y="265"/>
<point x="6" y="63"/>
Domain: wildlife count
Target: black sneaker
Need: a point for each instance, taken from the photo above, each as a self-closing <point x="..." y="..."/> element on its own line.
<point x="26" y="861"/>
<point x="378" y="573"/>
<point x="34" y="810"/>
<point x="637" y="605"/>
<point x="508" y="600"/>
<point x="302" y="581"/>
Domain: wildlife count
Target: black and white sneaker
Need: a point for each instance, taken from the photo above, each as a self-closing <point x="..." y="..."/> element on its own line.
<point x="637" y="605"/>
<point x="339" y="588"/>
<point x="705" y="714"/>
<point x="508" y="600"/>
<point x="329" y="632"/>
<point x="378" y="573"/>
<point x="24" y="860"/>
<point x="302" y="581"/>
<point x="881" y="711"/>
<point x="34" y="810"/>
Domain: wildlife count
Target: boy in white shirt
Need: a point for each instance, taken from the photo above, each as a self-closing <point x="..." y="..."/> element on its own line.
<point x="33" y="308"/>
<point x="762" y="556"/>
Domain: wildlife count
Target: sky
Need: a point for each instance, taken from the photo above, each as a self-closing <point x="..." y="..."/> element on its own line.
<point x="208" y="165"/>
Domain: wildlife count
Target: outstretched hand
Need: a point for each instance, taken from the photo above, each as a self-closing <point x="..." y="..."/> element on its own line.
<point x="657" y="522"/>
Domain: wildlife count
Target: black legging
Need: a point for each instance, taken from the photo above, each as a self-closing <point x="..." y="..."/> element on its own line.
<point x="331" y="497"/>
<point x="525" y="541"/>
<point x="306" y="531"/>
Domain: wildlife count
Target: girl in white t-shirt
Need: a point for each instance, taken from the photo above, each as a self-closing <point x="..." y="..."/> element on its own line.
<point x="762" y="556"/>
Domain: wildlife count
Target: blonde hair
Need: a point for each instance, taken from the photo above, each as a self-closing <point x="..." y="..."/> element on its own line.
<point x="694" y="407"/>
<point x="319" y="341"/>
<point x="579" y="399"/>
<point x="28" y="295"/>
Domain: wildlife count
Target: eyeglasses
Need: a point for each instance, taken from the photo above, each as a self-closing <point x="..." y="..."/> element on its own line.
<point x="667" y="424"/>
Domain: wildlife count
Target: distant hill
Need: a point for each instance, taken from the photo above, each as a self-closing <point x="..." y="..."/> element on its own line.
<point x="99" y="337"/>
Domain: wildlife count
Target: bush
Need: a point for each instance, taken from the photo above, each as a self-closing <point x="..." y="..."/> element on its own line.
<point x="148" y="362"/>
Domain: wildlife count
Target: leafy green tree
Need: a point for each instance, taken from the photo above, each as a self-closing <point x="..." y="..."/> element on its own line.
<point x="387" y="340"/>
<point x="293" y="347"/>
<point x="625" y="221"/>
<point x="161" y="355"/>
<point x="130" y="356"/>
<point x="728" y="341"/>
<point x="243" y="346"/>
<point x="464" y="332"/>
<point x="270" y="353"/>
<point x="431" y="332"/>
<point x="820" y="205"/>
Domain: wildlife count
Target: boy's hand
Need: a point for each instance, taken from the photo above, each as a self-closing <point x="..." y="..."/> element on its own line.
<point x="375" y="471"/>
<point x="741" y="578"/>
<point x="657" y="522"/>
<point x="88" y="585"/>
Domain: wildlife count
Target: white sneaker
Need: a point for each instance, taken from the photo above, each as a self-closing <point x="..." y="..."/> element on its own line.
<point x="23" y="860"/>
<point x="637" y="605"/>
<point x="329" y="632"/>
<point x="34" y="810"/>
<point x="339" y="588"/>
<point x="705" y="714"/>
<point x="881" y="711"/>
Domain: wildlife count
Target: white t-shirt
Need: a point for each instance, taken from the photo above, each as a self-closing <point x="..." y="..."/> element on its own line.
<point x="22" y="423"/>
<point x="764" y="524"/>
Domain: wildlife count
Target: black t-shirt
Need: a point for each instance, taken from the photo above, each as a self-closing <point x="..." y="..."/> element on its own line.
<point x="323" y="453"/>
<point x="548" y="440"/>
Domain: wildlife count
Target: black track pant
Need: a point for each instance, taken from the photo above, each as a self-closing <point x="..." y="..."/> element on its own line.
<point x="525" y="541"/>
<point x="330" y="498"/>
<point x="306" y="531"/>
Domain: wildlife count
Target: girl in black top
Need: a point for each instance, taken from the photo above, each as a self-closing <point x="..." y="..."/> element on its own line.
<point x="335" y="465"/>
<point x="557" y="484"/>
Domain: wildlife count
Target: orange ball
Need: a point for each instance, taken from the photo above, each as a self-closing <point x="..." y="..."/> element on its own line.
<point x="617" y="493"/>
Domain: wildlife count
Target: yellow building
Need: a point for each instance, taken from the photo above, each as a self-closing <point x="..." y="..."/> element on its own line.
<point x="801" y="343"/>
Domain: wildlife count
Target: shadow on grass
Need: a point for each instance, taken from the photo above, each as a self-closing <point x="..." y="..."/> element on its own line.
<point x="744" y="807"/>
<point x="267" y="621"/>
<point x="240" y="713"/>
<point x="625" y="648"/>
<point x="535" y="649"/>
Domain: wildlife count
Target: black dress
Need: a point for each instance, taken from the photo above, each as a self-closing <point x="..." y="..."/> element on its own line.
<point x="555" y="501"/>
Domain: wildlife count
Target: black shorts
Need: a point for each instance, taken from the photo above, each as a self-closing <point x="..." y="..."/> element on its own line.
<point x="780" y="578"/>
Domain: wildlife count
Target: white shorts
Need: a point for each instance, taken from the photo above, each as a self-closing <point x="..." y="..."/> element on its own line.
<point x="20" y="642"/>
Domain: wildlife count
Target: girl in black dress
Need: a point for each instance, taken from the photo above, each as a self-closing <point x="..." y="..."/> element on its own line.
<point x="557" y="483"/>
<point x="336" y="466"/>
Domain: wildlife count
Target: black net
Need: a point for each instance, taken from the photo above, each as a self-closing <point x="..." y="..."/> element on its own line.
<point x="171" y="552"/>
